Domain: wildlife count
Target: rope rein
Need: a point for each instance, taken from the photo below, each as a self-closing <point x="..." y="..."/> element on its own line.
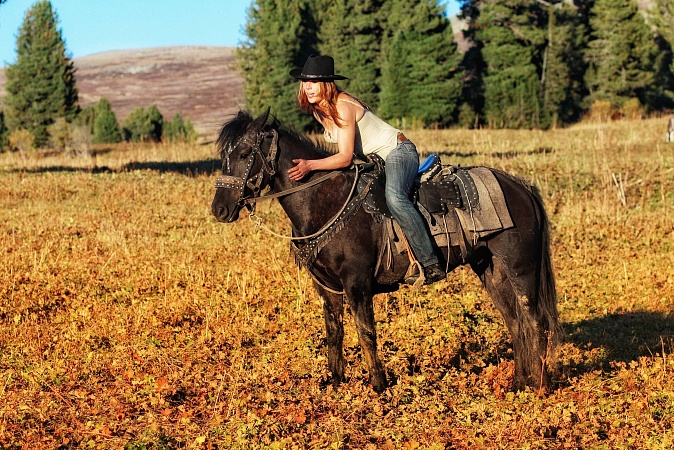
<point x="258" y="221"/>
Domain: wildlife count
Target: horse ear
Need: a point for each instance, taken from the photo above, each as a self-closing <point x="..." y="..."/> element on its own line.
<point x="262" y="120"/>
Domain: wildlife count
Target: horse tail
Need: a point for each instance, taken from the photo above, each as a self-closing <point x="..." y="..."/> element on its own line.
<point x="547" y="292"/>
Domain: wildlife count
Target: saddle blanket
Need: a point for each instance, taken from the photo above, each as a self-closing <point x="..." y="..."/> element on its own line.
<point x="479" y="219"/>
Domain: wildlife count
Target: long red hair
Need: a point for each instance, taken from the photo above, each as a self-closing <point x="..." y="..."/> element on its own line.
<point x="329" y="91"/>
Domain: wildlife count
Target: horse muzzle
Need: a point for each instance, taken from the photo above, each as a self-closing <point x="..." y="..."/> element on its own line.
<point x="223" y="212"/>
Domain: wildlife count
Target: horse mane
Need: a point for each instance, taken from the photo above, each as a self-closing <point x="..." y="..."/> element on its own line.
<point x="235" y="129"/>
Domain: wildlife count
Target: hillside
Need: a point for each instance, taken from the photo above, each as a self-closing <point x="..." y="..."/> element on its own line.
<point x="202" y="83"/>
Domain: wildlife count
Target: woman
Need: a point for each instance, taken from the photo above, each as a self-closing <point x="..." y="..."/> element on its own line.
<point x="351" y="125"/>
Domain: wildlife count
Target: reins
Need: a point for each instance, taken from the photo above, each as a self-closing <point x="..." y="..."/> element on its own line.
<point x="328" y="224"/>
<point x="269" y="166"/>
<point x="299" y="188"/>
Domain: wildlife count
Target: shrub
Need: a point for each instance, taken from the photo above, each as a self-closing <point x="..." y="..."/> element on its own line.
<point x="632" y="109"/>
<point x="105" y="128"/>
<point x="601" y="111"/>
<point x="86" y="117"/>
<point x="80" y="141"/>
<point x="73" y="139"/>
<point x="467" y="116"/>
<point x="22" y="141"/>
<point x="179" y="130"/>
<point x="143" y="125"/>
<point x="59" y="135"/>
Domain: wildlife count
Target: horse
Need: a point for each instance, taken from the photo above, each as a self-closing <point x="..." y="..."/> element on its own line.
<point x="514" y="265"/>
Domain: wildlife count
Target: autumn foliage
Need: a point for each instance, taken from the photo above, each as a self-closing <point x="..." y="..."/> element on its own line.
<point x="130" y="319"/>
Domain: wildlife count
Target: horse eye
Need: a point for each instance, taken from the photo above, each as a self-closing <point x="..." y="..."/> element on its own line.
<point x="244" y="155"/>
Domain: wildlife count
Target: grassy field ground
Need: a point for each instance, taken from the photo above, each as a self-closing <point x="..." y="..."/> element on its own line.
<point x="130" y="319"/>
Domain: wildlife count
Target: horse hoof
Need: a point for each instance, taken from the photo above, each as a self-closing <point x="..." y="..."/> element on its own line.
<point x="379" y="384"/>
<point x="379" y="389"/>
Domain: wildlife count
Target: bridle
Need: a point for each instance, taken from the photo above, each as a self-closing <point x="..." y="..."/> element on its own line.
<point x="254" y="182"/>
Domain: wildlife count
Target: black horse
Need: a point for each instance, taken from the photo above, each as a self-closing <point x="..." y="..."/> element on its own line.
<point x="514" y="265"/>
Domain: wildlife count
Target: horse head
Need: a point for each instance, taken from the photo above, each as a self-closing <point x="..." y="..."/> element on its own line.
<point x="248" y="150"/>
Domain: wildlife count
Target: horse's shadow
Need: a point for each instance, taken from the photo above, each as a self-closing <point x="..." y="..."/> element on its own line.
<point x="618" y="338"/>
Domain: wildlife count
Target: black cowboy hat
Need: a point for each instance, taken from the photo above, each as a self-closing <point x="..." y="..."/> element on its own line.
<point x="317" y="68"/>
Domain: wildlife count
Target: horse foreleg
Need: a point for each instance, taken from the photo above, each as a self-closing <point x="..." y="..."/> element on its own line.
<point x="362" y="309"/>
<point x="333" y="314"/>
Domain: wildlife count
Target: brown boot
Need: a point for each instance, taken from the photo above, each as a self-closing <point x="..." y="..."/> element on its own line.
<point x="434" y="273"/>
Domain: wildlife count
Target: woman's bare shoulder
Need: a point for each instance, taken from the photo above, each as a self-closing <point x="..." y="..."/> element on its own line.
<point x="345" y="98"/>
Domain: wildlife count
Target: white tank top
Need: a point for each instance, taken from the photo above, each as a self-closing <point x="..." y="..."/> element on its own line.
<point x="373" y="135"/>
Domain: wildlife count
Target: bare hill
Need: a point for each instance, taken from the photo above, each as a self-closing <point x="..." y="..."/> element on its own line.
<point x="202" y="83"/>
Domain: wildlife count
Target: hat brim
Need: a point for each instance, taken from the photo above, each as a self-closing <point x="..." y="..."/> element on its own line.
<point x="297" y="74"/>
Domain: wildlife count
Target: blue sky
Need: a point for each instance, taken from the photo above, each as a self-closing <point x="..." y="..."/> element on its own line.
<point x="93" y="26"/>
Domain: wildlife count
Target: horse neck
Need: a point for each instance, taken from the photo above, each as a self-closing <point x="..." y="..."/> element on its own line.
<point x="309" y="209"/>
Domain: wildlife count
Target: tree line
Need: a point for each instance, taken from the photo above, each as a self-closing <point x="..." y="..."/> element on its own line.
<point x="530" y="63"/>
<point x="42" y="104"/>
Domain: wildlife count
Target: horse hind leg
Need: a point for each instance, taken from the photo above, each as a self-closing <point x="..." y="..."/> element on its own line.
<point x="515" y="297"/>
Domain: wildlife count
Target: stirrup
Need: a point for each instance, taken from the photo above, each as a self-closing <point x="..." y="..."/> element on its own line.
<point x="415" y="274"/>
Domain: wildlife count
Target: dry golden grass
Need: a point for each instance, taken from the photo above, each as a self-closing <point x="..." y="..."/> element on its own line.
<point x="130" y="319"/>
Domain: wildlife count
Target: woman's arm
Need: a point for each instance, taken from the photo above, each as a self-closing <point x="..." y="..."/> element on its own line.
<point x="345" y="145"/>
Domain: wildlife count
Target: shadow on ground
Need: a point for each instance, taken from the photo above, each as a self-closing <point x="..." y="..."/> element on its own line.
<point x="620" y="337"/>
<point x="191" y="169"/>
<point x="206" y="167"/>
<point x="448" y="155"/>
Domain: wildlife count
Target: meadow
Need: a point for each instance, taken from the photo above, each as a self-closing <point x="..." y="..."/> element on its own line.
<point x="130" y="319"/>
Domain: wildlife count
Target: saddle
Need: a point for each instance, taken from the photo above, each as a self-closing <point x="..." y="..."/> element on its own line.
<point x="459" y="204"/>
<point x="438" y="189"/>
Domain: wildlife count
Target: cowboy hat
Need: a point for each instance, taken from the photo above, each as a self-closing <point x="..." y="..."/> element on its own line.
<point x="317" y="68"/>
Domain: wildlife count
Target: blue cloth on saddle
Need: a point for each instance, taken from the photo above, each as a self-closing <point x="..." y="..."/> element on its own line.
<point x="427" y="164"/>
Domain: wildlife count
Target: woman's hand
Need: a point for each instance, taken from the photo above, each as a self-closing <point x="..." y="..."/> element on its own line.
<point x="300" y="170"/>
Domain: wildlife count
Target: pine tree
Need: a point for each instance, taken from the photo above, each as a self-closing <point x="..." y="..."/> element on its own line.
<point x="621" y="54"/>
<point x="351" y="32"/>
<point x="661" y="16"/>
<point x="41" y="84"/>
<point x="562" y="88"/>
<point x="525" y="68"/>
<point x="512" y="38"/>
<point x="279" y="36"/>
<point x="472" y="68"/>
<point x="419" y="74"/>
<point x="106" y="128"/>
<point x="4" y="132"/>
<point x="179" y="130"/>
<point x="396" y="88"/>
<point x="144" y="125"/>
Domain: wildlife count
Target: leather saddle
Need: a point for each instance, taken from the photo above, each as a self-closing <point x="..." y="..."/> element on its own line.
<point x="438" y="189"/>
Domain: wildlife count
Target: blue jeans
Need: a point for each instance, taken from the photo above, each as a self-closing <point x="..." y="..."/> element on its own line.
<point x="401" y="171"/>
